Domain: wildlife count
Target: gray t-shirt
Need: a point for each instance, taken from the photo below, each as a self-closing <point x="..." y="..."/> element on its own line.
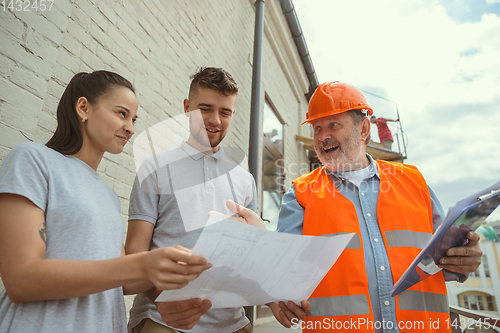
<point x="83" y="222"/>
<point x="175" y="190"/>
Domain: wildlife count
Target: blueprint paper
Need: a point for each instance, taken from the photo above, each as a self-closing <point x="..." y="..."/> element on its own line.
<point x="254" y="266"/>
<point x="467" y="215"/>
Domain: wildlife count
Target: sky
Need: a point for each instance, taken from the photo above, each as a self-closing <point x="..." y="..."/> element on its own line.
<point x="438" y="61"/>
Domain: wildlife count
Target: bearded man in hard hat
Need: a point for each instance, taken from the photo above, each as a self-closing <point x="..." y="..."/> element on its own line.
<point x="392" y="212"/>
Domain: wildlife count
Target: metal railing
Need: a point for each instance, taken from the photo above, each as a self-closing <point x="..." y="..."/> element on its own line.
<point x="471" y="320"/>
<point x="399" y="134"/>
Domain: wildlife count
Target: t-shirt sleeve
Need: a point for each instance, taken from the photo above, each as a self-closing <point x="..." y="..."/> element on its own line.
<point x="144" y="198"/>
<point x="25" y="172"/>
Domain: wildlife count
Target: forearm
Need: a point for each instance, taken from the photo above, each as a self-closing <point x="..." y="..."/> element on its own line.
<point x="138" y="239"/>
<point x="48" y="279"/>
<point x="138" y="287"/>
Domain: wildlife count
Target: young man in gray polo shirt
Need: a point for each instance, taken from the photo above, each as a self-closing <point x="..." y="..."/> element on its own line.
<point x="170" y="205"/>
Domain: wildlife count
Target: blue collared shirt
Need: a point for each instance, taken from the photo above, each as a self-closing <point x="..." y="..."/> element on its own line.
<point x="364" y="198"/>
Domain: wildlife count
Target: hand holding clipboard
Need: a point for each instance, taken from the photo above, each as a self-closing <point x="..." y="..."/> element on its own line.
<point x="467" y="215"/>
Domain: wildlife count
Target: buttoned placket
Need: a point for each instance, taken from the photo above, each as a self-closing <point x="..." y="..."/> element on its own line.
<point x="365" y="198"/>
<point x="208" y="172"/>
<point x="366" y="193"/>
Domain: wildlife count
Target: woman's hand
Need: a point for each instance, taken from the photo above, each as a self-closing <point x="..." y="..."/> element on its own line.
<point x="173" y="267"/>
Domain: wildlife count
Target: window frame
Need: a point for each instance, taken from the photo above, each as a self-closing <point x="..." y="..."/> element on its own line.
<point x="275" y="153"/>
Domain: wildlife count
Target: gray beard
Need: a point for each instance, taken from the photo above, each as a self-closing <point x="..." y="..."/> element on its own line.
<point x="349" y="149"/>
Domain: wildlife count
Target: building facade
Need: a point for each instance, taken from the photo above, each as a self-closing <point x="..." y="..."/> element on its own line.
<point x="156" y="45"/>
<point x="481" y="291"/>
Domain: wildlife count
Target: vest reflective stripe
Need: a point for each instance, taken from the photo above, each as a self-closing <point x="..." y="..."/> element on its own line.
<point x="407" y="238"/>
<point x="353" y="305"/>
<point x="421" y="301"/>
<point x="328" y="212"/>
<point x="350" y="305"/>
<point x="355" y="242"/>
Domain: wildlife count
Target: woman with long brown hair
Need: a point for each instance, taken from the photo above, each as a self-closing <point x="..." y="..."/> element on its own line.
<point x="61" y="233"/>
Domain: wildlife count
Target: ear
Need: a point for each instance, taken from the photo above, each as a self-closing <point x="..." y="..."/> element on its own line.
<point x="186" y="107"/>
<point x="364" y="128"/>
<point x="82" y="108"/>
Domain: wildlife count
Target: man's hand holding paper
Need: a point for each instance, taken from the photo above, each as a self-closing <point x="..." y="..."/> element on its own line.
<point x="285" y="312"/>
<point x="183" y="314"/>
<point x="246" y="215"/>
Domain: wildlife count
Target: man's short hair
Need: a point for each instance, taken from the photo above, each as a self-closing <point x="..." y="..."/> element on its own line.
<point x="213" y="78"/>
<point x="357" y="117"/>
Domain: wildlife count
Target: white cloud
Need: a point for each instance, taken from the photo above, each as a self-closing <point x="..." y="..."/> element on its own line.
<point x="458" y="148"/>
<point x="404" y="50"/>
<point x="419" y="57"/>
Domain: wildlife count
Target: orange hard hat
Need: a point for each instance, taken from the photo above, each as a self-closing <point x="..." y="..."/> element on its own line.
<point x="335" y="97"/>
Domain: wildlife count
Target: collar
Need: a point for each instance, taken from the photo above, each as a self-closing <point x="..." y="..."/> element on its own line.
<point x="373" y="172"/>
<point x="195" y="154"/>
<point x="373" y="167"/>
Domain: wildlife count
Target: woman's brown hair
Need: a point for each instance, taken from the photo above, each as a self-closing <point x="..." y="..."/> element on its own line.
<point x="67" y="138"/>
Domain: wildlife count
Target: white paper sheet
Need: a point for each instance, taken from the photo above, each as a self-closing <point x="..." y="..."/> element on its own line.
<point x="254" y="266"/>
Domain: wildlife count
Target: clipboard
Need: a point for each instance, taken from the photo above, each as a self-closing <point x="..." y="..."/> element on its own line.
<point x="467" y="215"/>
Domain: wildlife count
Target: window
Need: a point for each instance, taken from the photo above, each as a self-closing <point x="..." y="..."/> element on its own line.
<point x="273" y="167"/>
<point x="480" y="302"/>
<point x="473" y="302"/>
<point x="486" y="266"/>
<point x="273" y="127"/>
<point x="490" y="306"/>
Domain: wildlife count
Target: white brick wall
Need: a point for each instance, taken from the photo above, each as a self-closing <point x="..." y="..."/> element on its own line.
<point x="155" y="44"/>
<point x="29" y="44"/>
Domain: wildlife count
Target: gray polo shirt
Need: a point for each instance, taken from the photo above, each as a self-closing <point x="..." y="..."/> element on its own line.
<point x="175" y="190"/>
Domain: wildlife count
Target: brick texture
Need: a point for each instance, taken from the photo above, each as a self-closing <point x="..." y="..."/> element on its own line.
<point x="155" y="44"/>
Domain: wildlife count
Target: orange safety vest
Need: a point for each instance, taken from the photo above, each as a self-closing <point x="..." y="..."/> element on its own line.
<point x="341" y="301"/>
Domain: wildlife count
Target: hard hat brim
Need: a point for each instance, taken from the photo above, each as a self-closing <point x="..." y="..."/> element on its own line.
<point x="334" y="112"/>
